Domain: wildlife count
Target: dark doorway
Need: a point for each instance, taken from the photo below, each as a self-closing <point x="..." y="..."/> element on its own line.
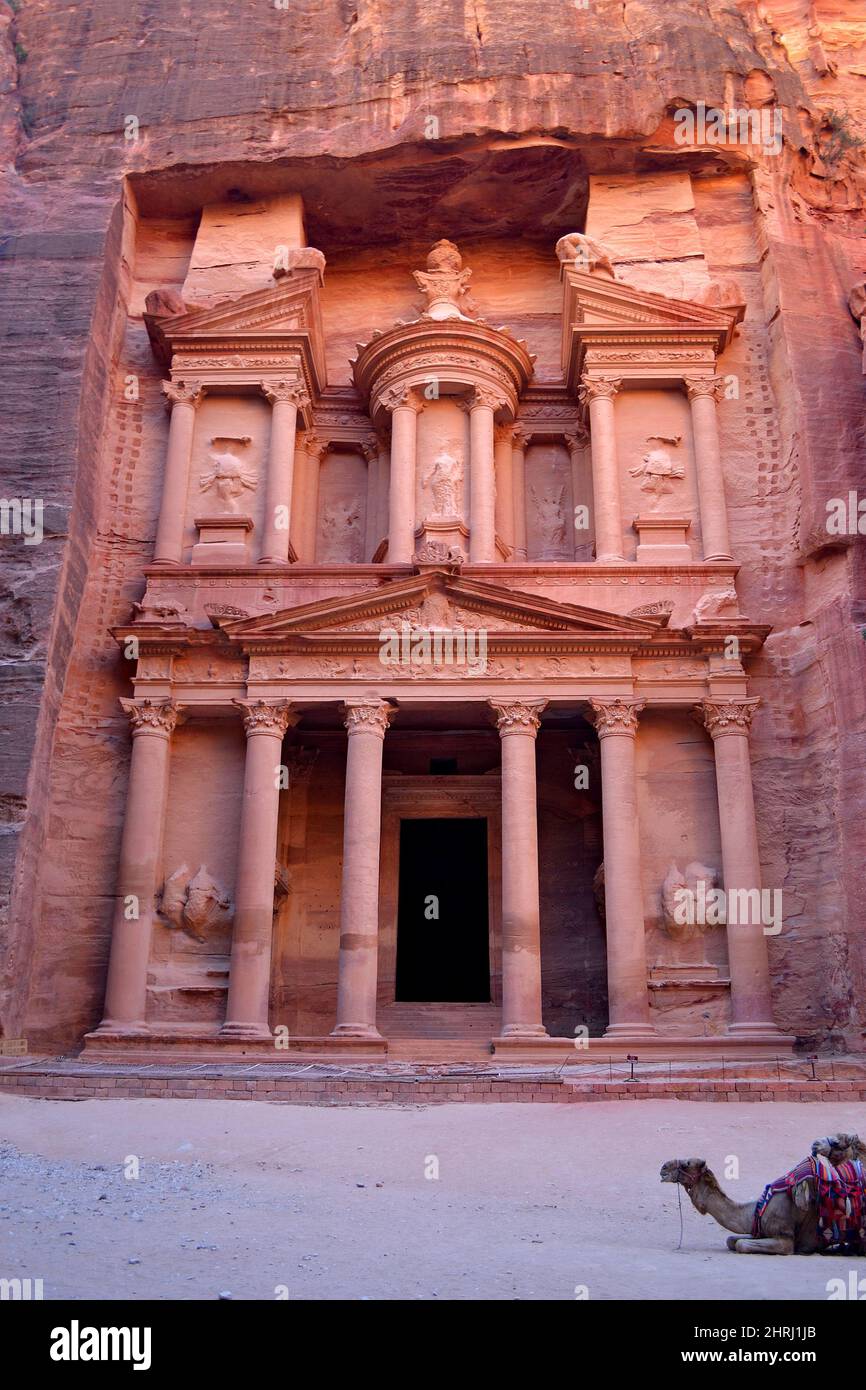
<point x="442" y="932"/>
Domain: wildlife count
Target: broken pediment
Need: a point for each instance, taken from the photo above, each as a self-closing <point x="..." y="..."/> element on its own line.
<point x="613" y="326"/>
<point x="268" y="330"/>
<point x="439" y="598"/>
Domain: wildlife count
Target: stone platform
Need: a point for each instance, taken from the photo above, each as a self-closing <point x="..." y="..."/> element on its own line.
<point x="313" y="1082"/>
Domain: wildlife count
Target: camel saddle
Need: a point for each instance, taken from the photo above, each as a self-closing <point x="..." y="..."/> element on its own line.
<point x="841" y="1202"/>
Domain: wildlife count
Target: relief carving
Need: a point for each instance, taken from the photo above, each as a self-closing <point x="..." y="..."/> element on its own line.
<point x="550" y="516"/>
<point x="581" y="252"/>
<point x="657" y="472"/>
<point x="444" y="478"/>
<point x="711" y="606"/>
<point x="228" y="478"/>
<point x="682" y="890"/>
<point x="196" y="904"/>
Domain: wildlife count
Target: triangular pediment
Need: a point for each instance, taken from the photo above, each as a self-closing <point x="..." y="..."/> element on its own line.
<point x="438" y="598"/>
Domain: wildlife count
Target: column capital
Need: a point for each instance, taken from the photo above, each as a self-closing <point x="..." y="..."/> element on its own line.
<point x="368" y="716"/>
<point x="397" y="397"/>
<point x="370" y="448"/>
<point x="151" y="716"/>
<point x="697" y="386"/>
<point x="183" y="393"/>
<point x="518" y="716"/>
<point x="291" y="391"/>
<point x="599" y="388"/>
<point x="484" y="397"/>
<point x="504" y="434"/>
<point x="266" y="716"/>
<point x="722" y="717"/>
<point x="314" y="445"/>
<point x="576" y="439"/>
<point x="520" y="436"/>
<point x="616" y="716"/>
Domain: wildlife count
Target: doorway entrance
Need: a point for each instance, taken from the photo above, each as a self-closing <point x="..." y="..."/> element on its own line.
<point x="443" y="942"/>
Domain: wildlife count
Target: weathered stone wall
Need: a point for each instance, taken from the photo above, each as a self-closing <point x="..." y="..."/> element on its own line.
<point x="526" y="104"/>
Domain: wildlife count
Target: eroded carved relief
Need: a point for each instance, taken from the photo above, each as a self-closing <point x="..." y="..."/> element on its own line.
<point x="444" y="283"/>
<point x="681" y="894"/>
<point x="657" y="472"/>
<point x="195" y="903"/>
<point x="228" y="478"/>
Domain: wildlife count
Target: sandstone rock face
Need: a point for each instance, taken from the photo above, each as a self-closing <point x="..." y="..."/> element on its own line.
<point x="396" y="127"/>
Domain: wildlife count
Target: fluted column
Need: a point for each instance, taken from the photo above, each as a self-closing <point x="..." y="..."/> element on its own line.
<point x="314" y="448"/>
<point x="286" y="399"/>
<point x="599" y="393"/>
<point x="366" y="722"/>
<point x="184" y="398"/>
<point x="703" y="393"/>
<point x="576" y="443"/>
<point x="616" y="723"/>
<point x="503" y="456"/>
<point x="518" y="721"/>
<point x="138" y="872"/>
<point x="519" y="442"/>
<point x="404" y="407"/>
<point x="729" y="723"/>
<point x="265" y="723"/>
<point x="482" y="478"/>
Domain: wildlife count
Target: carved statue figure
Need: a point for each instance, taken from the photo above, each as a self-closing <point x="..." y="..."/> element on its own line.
<point x="680" y="892"/>
<point x="583" y="253"/>
<point x="551" y="518"/>
<point x="228" y="478"/>
<point x="657" y="470"/>
<point x="444" y="478"/>
<point x="722" y="605"/>
<point x="444" y="282"/>
<point x="196" y="904"/>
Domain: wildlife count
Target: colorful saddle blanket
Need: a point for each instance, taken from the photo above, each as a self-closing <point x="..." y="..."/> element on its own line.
<point x="841" y="1202"/>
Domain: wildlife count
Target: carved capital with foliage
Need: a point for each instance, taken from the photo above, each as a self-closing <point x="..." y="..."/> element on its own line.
<point x="599" y="388"/>
<point x="151" y="716"/>
<point x="368" y="716"/>
<point x="518" y="716"/>
<point x="291" y="391"/>
<point x="728" y="716"/>
<point x="183" y="393"/>
<point x="616" y="716"/>
<point x="267" y="716"/>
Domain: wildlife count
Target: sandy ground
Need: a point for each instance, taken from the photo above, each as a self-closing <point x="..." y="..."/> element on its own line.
<point x="252" y="1199"/>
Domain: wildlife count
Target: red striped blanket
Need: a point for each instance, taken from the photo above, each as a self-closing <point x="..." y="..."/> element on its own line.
<point x="841" y="1202"/>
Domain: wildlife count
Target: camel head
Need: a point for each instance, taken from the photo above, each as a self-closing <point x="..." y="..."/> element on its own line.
<point x="836" y="1148"/>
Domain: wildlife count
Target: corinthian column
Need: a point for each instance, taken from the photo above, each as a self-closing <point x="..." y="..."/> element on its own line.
<point x="518" y="721"/>
<point x="599" y="393"/>
<point x="482" y="478"/>
<point x="366" y="722"/>
<point x="518" y="482"/>
<point x="576" y="443"/>
<point x="703" y="393"/>
<point x="139" y="868"/>
<point x="265" y="723"/>
<point x="616" y="723"/>
<point x="286" y="399"/>
<point x="729" y="723"/>
<point x="404" y="407"/>
<point x="184" y="398"/>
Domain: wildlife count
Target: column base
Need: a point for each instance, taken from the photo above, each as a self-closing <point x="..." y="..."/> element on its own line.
<point x="610" y="559"/>
<point x="758" y="1029"/>
<point x="523" y="1030"/>
<point x="109" y="1027"/>
<point x="718" y="559"/>
<point x="630" y="1030"/>
<point x="357" y="1030"/>
<point x="249" y="1032"/>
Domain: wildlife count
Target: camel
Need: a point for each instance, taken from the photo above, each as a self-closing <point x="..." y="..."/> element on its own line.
<point x="789" y="1223"/>
<point x="790" y="1228"/>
